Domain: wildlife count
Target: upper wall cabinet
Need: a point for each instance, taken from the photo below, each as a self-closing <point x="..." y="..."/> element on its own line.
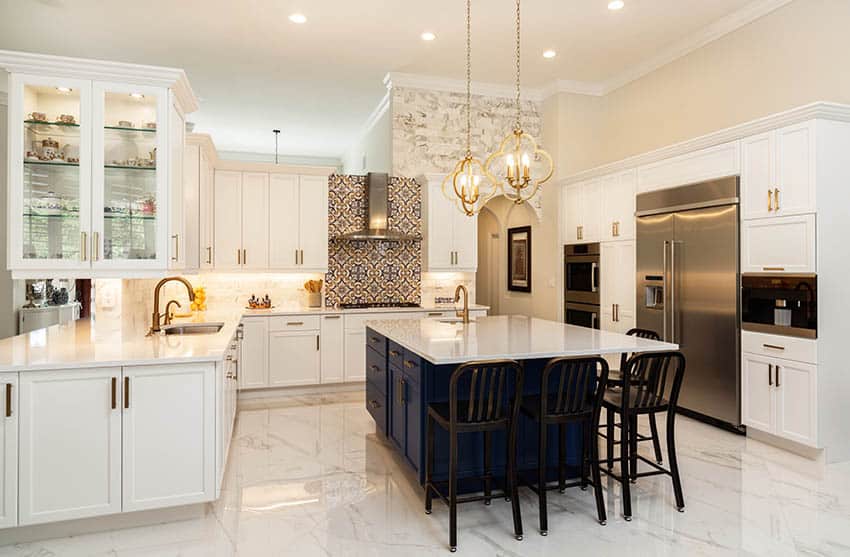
<point x="583" y="212"/>
<point x="778" y="172"/>
<point x="90" y="165"/>
<point x="618" y="206"/>
<point x="450" y="236"/>
<point x="198" y="176"/>
<point x="705" y="164"/>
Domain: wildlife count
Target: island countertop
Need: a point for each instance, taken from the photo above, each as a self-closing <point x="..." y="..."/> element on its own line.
<point x="516" y="337"/>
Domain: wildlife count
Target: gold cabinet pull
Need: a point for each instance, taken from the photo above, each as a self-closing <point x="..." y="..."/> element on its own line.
<point x="294" y="323"/>
<point x="394" y="353"/>
<point x="126" y="392"/>
<point x="244" y="257"/>
<point x="8" y="400"/>
<point x="769" y="375"/>
<point x="83" y="246"/>
<point x="95" y="246"/>
<point x="774" y="346"/>
<point x="769" y="200"/>
<point x="773" y="268"/>
<point x="176" y="239"/>
<point x="776" y="200"/>
<point x="374" y="368"/>
<point x="778" y="384"/>
<point x="333" y="317"/>
<point x="579" y="233"/>
<point x="114" y="389"/>
<point x="209" y="255"/>
<point x="317" y="342"/>
<point x="238" y="256"/>
<point x="408" y="364"/>
<point x="435" y="314"/>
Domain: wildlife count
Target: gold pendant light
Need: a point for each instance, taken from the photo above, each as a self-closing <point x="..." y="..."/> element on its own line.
<point x="469" y="185"/>
<point x="520" y="150"/>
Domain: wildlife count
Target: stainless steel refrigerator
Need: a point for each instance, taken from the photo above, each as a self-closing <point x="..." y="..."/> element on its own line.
<point x="688" y="288"/>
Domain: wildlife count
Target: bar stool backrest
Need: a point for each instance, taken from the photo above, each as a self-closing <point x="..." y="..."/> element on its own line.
<point x="487" y="389"/>
<point x="640" y="333"/>
<point x="579" y="385"/>
<point x="653" y="376"/>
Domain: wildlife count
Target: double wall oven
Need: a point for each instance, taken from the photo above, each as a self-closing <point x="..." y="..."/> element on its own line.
<point x="581" y="283"/>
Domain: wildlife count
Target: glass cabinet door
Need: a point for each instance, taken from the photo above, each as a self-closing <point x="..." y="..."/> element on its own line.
<point x="50" y="191"/>
<point x="128" y="184"/>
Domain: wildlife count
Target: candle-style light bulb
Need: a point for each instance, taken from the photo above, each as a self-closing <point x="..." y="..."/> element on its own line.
<point x="510" y="159"/>
<point x="526" y="164"/>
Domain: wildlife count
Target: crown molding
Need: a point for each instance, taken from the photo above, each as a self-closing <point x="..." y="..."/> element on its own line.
<point x="82" y="68"/>
<point x="817" y="110"/>
<point x="725" y="25"/>
<point x="377" y="113"/>
<point x="205" y="142"/>
<point x="435" y="83"/>
<point x="4" y="98"/>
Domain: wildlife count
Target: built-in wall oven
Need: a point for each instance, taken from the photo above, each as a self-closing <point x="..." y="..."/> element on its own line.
<point x="581" y="285"/>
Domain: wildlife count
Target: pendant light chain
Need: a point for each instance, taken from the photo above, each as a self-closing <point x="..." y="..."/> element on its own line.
<point x="468" y="78"/>
<point x="518" y="105"/>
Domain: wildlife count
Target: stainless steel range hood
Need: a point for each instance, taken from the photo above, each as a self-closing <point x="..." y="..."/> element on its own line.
<point x="377" y="191"/>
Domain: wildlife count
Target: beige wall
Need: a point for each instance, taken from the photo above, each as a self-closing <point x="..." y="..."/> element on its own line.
<point x="8" y="317"/>
<point x="793" y="56"/>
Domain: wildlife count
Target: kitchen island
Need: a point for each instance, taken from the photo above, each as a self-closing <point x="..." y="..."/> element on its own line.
<point x="409" y="363"/>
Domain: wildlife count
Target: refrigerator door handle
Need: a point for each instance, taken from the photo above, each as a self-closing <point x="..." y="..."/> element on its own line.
<point x="673" y="290"/>
<point x="664" y="286"/>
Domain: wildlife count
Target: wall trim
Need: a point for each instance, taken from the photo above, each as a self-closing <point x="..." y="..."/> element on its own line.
<point x="451" y="85"/>
<point x="821" y="110"/>
<point x="4" y="98"/>
<point x="103" y="70"/>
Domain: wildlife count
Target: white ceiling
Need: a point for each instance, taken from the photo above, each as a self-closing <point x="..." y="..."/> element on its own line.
<point x="318" y="82"/>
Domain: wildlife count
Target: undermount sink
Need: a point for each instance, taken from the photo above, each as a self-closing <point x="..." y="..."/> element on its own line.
<point x="192" y="328"/>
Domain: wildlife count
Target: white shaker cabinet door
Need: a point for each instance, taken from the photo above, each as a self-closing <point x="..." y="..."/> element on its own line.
<point x="573" y="231"/>
<point x="294" y="358"/>
<point x="227" y="230"/>
<point x="758" y="154"/>
<point x="169" y="435"/>
<point x="255" y="220"/>
<point x="440" y="226"/>
<point x="8" y="450"/>
<point x="70" y="444"/>
<point x="465" y="232"/>
<point x="795" y="170"/>
<point x="355" y="355"/>
<point x="757" y="398"/>
<point x="779" y="245"/>
<point x="284" y="215"/>
<point x="591" y="210"/>
<point x="796" y="401"/>
<point x="254" y="364"/>
<point x="313" y="229"/>
<point x="177" y="196"/>
<point x="332" y="349"/>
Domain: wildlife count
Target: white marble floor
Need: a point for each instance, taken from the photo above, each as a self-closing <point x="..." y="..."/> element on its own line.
<point x="307" y="476"/>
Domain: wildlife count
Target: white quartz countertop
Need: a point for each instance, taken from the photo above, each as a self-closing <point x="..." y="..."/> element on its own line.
<point x="301" y="310"/>
<point x="106" y="343"/>
<point x="517" y="337"/>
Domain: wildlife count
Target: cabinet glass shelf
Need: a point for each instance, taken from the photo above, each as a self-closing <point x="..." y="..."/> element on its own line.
<point x="49" y="163"/>
<point x="136" y="130"/>
<point x="118" y="167"/>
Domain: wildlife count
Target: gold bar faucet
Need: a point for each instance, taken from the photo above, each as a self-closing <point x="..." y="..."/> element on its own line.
<point x="156" y="316"/>
<point x="464" y="313"/>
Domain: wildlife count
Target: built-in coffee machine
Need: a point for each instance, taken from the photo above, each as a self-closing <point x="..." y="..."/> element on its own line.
<point x="780" y="304"/>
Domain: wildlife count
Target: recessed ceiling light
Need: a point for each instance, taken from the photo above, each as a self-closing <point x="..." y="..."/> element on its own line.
<point x="298" y="18"/>
<point x="64" y="90"/>
<point x="137" y="96"/>
<point x="549" y="54"/>
<point x="428" y="36"/>
<point x="616" y="5"/>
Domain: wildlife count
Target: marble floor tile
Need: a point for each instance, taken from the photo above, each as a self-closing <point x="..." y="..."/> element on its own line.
<point x="308" y="476"/>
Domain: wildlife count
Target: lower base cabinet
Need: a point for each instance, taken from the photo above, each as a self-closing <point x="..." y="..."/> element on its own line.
<point x="8" y="450"/>
<point x="355" y="355"/>
<point x="70" y="444"/>
<point x="294" y="358"/>
<point x="169" y="436"/>
<point x="108" y="440"/>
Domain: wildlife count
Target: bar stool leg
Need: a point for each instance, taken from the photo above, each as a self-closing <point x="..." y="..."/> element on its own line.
<point x="562" y="457"/>
<point x="512" y="479"/>
<point x="609" y="433"/>
<point x="488" y="445"/>
<point x="541" y="480"/>
<point x="656" y="441"/>
<point x="429" y="462"/>
<point x="633" y="448"/>
<point x="597" y="481"/>
<point x="674" y="463"/>
<point x="453" y="492"/>
<point x="585" y="454"/>
<point x="624" y="467"/>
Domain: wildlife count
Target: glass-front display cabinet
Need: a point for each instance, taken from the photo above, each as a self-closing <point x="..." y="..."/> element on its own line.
<point x="90" y="169"/>
<point x="50" y="130"/>
<point x="129" y="177"/>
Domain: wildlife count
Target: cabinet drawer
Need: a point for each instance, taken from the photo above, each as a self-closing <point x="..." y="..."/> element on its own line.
<point x="294" y="323"/>
<point x="778" y="346"/>
<point x="395" y="354"/>
<point x="411" y="366"/>
<point x="376" y="369"/>
<point x="376" y="405"/>
<point x="376" y="342"/>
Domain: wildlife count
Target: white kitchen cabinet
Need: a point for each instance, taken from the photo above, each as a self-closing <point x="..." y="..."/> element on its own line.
<point x="70" y="444"/>
<point x="618" y="206"/>
<point x="705" y="164"/>
<point x="583" y="212"/>
<point x="450" y="236"/>
<point x="227" y="246"/>
<point x="294" y="358"/>
<point x="332" y="352"/>
<point x="355" y="355"/>
<point x="617" y="295"/>
<point x="779" y="396"/>
<point x="254" y="359"/>
<point x="206" y="178"/>
<point x="9" y="450"/>
<point x="255" y="220"/>
<point x="177" y="246"/>
<point x="778" y="172"/>
<point x="779" y="245"/>
<point x="168" y="435"/>
<point x="227" y="376"/>
<point x="298" y="228"/>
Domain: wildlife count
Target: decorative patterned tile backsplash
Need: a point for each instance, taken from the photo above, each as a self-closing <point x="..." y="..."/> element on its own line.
<point x="373" y="271"/>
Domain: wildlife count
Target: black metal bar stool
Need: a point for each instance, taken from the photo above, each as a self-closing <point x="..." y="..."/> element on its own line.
<point x="615" y="380"/>
<point x="571" y="391"/>
<point x="478" y="403"/>
<point x="647" y="379"/>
